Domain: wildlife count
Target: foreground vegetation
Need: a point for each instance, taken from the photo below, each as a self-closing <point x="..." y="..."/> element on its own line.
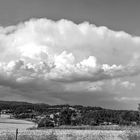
<point x="64" y="135"/>
<point x="72" y="135"/>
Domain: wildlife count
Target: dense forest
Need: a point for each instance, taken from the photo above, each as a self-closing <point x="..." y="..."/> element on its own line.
<point x="56" y="115"/>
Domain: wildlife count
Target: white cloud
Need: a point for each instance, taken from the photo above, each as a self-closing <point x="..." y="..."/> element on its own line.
<point x="123" y="84"/>
<point x="127" y="99"/>
<point x="58" y="55"/>
<point x="128" y="85"/>
<point x="44" y="40"/>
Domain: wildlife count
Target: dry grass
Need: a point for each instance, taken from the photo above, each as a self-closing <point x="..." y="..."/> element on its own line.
<point x="131" y="135"/>
<point x="62" y="135"/>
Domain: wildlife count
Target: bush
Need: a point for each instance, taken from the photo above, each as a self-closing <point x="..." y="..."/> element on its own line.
<point x="45" y="123"/>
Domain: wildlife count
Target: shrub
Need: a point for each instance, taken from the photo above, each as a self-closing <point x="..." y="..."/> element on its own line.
<point x="45" y="123"/>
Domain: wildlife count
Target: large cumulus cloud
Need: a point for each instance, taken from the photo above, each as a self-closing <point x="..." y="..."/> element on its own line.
<point x="51" y="56"/>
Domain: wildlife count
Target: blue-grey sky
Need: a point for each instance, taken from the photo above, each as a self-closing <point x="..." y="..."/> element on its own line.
<point x="71" y="51"/>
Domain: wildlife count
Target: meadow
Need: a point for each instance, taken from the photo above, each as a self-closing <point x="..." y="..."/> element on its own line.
<point x="69" y="134"/>
<point x="8" y="132"/>
<point x="8" y="124"/>
<point x="62" y="134"/>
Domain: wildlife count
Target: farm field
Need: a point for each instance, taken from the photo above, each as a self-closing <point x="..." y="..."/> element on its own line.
<point x="11" y="124"/>
<point x="67" y="134"/>
<point x="63" y="135"/>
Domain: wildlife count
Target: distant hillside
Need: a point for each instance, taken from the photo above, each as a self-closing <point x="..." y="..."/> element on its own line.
<point x="14" y="103"/>
<point x="16" y="106"/>
<point x="20" y="103"/>
<point x="11" y="104"/>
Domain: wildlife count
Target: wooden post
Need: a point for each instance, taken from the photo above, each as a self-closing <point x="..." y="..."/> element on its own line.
<point x="16" y="133"/>
<point x="139" y="113"/>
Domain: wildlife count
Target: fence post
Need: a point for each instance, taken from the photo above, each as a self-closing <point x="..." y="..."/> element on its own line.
<point x="16" y="133"/>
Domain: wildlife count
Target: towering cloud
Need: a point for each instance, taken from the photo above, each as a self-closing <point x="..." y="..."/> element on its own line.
<point x="56" y="56"/>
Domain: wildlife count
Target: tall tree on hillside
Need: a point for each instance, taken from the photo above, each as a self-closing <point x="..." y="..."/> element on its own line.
<point x="66" y="116"/>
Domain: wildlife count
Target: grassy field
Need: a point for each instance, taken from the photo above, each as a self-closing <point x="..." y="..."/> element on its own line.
<point x="70" y="134"/>
<point x="11" y="124"/>
<point x="8" y="129"/>
<point x="63" y="135"/>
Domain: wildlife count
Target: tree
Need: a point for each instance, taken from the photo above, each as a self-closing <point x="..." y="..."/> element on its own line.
<point x="67" y="116"/>
<point x="45" y="122"/>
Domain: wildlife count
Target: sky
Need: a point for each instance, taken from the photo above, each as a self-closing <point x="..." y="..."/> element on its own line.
<point x="71" y="52"/>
